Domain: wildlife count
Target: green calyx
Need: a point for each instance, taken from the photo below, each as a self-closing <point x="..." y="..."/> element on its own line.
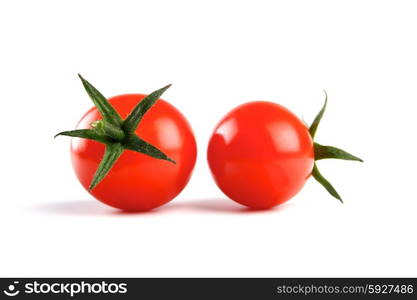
<point x="107" y="129"/>
<point x="116" y="134"/>
<point x="326" y="152"/>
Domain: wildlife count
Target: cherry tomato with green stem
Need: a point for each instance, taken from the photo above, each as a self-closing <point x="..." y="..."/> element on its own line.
<point x="261" y="154"/>
<point x="134" y="152"/>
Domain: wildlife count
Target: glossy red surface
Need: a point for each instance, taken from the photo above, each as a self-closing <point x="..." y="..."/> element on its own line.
<point x="137" y="181"/>
<point x="260" y="154"/>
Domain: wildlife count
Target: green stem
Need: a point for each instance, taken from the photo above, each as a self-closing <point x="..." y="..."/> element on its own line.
<point x="107" y="129"/>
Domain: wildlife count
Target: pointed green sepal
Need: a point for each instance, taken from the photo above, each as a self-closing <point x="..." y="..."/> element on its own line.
<point x="134" y="143"/>
<point x="85" y="134"/>
<point x="106" y="110"/>
<point x="135" y="116"/>
<point x="326" y="184"/>
<point x="326" y="152"/>
<point x="316" y="122"/>
<point x="111" y="155"/>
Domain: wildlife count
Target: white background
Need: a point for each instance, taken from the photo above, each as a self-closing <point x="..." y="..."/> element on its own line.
<point x="217" y="54"/>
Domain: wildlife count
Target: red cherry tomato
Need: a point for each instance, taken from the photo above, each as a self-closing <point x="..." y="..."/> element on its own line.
<point x="260" y="154"/>
<point x="138" y="181"/>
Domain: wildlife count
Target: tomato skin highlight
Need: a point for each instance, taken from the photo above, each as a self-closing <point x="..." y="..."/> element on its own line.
<point x="260" y="154"/>
<point x="138" y="182"/>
